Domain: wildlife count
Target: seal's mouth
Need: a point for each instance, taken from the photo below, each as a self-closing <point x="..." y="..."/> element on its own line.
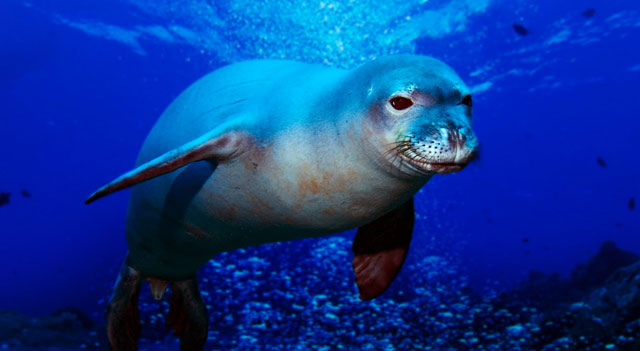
<point x="445" y="167"/>
<point x="428" y="156"/>
<point x="431" y="167"/>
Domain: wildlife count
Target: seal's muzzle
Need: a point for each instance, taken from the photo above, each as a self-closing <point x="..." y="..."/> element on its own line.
<point x="441" y="148"/>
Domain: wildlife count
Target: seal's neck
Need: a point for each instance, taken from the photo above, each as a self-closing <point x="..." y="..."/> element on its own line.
<point x="378" y="181"/>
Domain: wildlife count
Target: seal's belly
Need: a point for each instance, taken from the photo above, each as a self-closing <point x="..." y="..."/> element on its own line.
<point x="239" y="206"/>
<point x="179" y="221"/>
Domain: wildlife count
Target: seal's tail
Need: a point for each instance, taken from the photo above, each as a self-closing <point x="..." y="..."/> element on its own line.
<point x="187" y="313"/>
<point x="123" y="317"/>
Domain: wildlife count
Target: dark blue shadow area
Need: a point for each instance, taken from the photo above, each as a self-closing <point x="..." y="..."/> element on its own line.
<point x="75" y="115"/>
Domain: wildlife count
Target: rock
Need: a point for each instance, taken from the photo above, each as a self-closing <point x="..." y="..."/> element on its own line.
<point x="63" y="330"/>
<point x="608" y="315"/>
<point x="615" y="305"/>
<point x="599" y="267"/>
<point x="84" y="319"/>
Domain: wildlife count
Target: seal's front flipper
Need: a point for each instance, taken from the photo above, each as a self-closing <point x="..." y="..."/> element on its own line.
<point x="380" y="248"/>
<point x="123" y="318"/>
<point x="216" y="145"/>
<point x="188" y="315"/>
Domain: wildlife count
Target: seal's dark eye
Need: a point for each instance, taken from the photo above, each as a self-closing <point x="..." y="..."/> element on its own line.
<point x="400" y="103"/>
<point x="466" y="100"/>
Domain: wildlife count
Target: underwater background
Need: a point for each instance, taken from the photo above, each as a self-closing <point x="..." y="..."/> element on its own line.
<point x="532" y="247"/>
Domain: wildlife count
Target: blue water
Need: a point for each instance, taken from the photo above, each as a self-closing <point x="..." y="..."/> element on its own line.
<point x="81" y="84"/>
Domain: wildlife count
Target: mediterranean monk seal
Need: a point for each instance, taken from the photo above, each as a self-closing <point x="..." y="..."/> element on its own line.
<point x="265" y="151"/>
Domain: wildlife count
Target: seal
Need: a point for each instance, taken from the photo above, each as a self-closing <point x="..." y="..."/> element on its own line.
<point x="266" y="151"/>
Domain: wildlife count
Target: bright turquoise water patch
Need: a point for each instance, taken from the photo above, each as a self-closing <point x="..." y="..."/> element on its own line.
<point x="340" y="33"/>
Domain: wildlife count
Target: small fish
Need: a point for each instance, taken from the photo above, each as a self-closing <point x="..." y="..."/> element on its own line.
<point x="4" y="198"/>
<point x="520" y="29"/>
<point x="631" y="204"/>
<point x="525" y="240"/>
<point x="25" y="193"/>
<point x="601" y="162"/>
<point x="588" y="13"/>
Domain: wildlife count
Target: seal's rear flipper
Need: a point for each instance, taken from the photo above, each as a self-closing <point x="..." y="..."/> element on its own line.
<point x="380" y="248"/>
<point x="123" y="318"/>
<point x="213" y="145"/>
<point x="188" y="315"/>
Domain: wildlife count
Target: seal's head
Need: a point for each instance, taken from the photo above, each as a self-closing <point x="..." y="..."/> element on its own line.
<point x="419" y="116"/>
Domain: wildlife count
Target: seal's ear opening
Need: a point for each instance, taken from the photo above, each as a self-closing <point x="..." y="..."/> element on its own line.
<point x="212" y="145"/>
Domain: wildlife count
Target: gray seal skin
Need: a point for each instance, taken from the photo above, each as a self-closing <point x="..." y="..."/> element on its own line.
<point x="266" y="151"/>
